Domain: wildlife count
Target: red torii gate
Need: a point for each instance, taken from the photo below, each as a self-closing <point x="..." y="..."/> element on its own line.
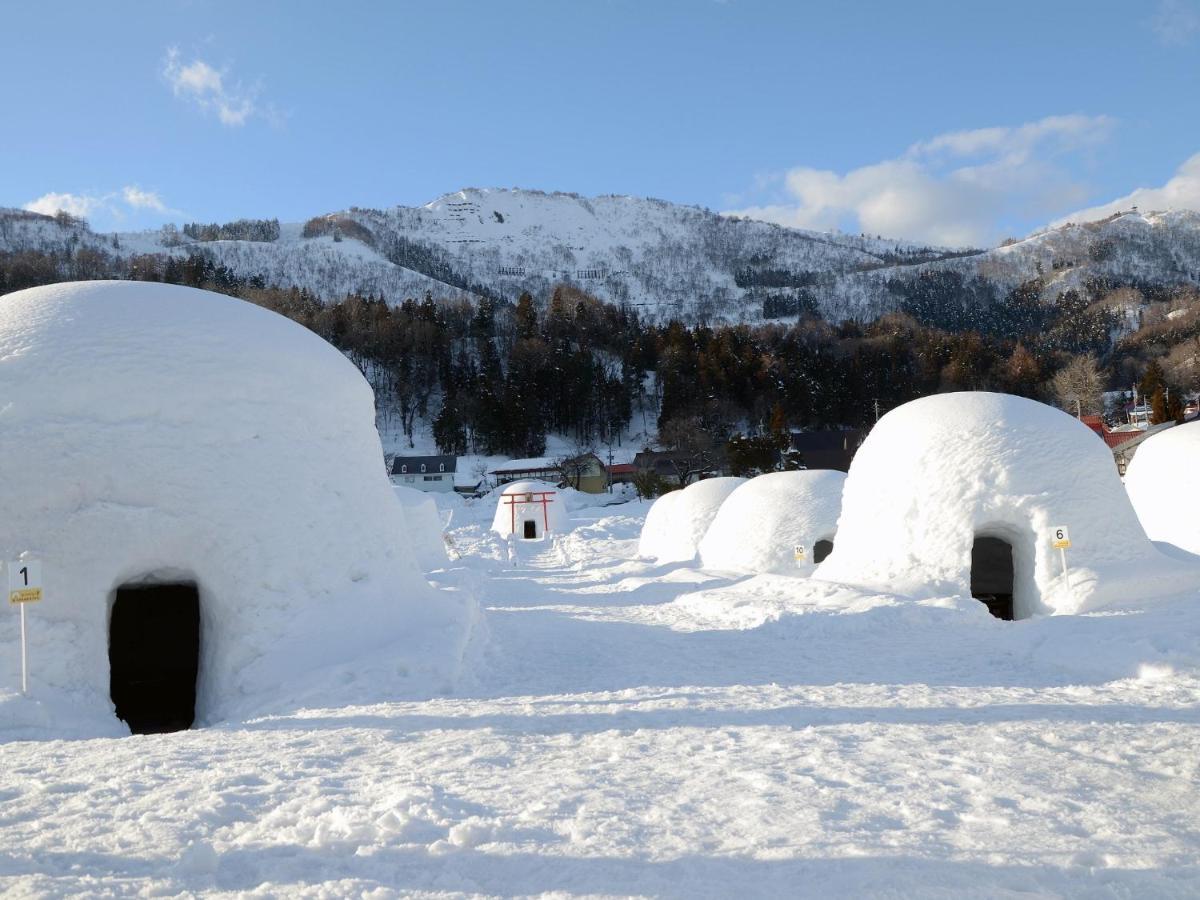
<point x="543" y="497"/>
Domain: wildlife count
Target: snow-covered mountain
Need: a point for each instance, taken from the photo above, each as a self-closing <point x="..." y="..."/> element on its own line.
<point x="665" y="259"/>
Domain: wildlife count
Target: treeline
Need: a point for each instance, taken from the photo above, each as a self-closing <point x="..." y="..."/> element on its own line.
<point x="496" y="377"/>
<point x="265" y="230"/>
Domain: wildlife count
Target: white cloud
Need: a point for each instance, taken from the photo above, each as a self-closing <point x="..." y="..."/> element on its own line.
<point x="136" y="198"/>
<point x="81" y="205"/>
<point x="952" y="189"/>
<point x="1176" y="22"/>
<point x="210" y="89"/>
<point x="116" y="206"/>
<point x="1182" y="191"/>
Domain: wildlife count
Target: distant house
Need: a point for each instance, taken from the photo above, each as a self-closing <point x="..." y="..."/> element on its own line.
<point x="425" y="473"/>
<point x="622" y="473"/>
<point x="831" y="449"/>
<point x="537" y="468"/>
<point x="584" y="473"/>
<point x="1123" y="440"/>
<point x="677" y="467"/>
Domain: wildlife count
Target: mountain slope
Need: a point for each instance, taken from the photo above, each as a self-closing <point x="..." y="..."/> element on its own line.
<point x="665" y="259"/>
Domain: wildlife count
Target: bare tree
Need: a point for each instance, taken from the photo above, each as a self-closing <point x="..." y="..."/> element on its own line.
<point x="575" y="465"/>
<point x="1079" y="386"/>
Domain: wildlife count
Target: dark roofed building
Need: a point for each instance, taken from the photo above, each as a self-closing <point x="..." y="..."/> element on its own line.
<point x="425" y="473"/>
<point x="833" y="449"/>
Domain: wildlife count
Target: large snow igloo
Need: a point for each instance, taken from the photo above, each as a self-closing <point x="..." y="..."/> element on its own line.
<point x="204" y="484"/>
<point x="781" y="522"/>
<point x="958" y="493"/>
<point x="678" y="520"/>
<point x="1163" y="481"/>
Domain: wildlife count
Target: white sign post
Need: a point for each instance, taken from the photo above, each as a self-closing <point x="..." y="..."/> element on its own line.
<point x="1060" y="540"/>
<point x="24" y="587"/>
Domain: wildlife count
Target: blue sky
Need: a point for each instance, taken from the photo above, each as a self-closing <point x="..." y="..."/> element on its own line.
<point x="956" y="122"/>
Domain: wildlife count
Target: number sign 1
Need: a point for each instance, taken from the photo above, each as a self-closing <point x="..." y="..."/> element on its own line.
<point x="24" y="581"/>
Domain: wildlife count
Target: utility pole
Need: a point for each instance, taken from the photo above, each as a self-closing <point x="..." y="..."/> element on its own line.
<point x="876" y="409"/>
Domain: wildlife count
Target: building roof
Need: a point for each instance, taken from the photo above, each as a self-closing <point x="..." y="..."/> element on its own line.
<point x="623" y="469"/>
<point x="532" y="464"/>
<point x="431" y="463"/>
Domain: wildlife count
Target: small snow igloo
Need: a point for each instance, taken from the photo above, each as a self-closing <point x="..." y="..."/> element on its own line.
<point x="781" y="522"/>
<point x="530" y="510"/>
<point x="958" y="494"/>
<point x="1163" y="481"/>
<point x="423" y="534"/>
<point x="204" y="485"/>
<point x="678" y="520"/>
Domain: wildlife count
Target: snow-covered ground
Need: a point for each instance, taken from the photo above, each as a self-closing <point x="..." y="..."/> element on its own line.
<point x="637" y="728"/>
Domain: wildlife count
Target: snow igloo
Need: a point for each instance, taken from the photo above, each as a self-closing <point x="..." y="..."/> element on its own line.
<point x="530" y="510"/>
<point x="423" y="532"/>
<point x="1163" y="481"/>
<point x="204" y="485"/>
<point x="958" y="494"/>
<point x="781" y="522"/>
<point x="678" y="520"/>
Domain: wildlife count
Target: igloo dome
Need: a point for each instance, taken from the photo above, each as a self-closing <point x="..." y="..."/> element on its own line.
<point x="678" y="520"/>
<point x="782" y="522"/>
<point x="203" y="483"/>
<point x="958" y="493"/>
<point x="1163" y="481"/>
<point x="423" y="534"/>
<point x="530" y="510"/>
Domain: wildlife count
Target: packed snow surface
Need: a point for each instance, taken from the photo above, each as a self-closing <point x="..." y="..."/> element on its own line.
<point x="1163" y="481"/>
<point x="936" y="473"/>
<point x="762" y="523"/>
<point x="639" y="728"/>
<point x="679" y="519"/>
<point x="156" y="433"/>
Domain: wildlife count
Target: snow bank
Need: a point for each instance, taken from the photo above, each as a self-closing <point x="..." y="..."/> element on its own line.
<point x="155" y="433"/>
<point x="760" y="525"/>
<point x="1163" y="481"/>
<point x="525" y="504"/>
<point x="935" y="473"/>
<point x="424" y="532"/>
<point x="678" y="520"/>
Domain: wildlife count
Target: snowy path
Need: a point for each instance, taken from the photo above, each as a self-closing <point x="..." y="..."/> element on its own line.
<point x="634" y="729"/>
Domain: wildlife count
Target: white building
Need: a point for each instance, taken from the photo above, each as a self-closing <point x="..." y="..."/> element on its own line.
<point x="201" y="481"/>
<point x="431" y="474"/>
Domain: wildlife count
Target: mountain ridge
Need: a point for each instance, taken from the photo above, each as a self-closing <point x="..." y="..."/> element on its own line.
<point x="665" y="259"/>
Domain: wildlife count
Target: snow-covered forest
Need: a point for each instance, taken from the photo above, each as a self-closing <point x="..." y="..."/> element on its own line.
<point x="479" y="364"/>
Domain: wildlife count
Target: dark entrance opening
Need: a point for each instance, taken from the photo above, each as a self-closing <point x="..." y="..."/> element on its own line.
<point x="992" y="576"/>
<point x="821" y="550"/>
<point x="154" y="656"/>
<point x="530" y="530"/>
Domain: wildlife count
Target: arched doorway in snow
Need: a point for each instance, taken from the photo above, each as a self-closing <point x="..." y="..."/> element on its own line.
<point x="822" y="549"/>
<point x="154" y="655"/>
<point x="992" y="576"/>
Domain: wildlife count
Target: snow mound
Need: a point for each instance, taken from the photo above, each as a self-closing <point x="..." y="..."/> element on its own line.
<point x="424" y="532"/>
<point x="1163" y="481"/>
<point x="760" y="525"/>
<point x="530" y="508"/>
<point x="678" y="520"/>
<point x="938" y="472"/>
<point x="159" y="434"/>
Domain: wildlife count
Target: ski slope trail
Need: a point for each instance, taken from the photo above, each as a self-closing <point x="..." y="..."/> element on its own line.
<point x="638" y="729"/>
